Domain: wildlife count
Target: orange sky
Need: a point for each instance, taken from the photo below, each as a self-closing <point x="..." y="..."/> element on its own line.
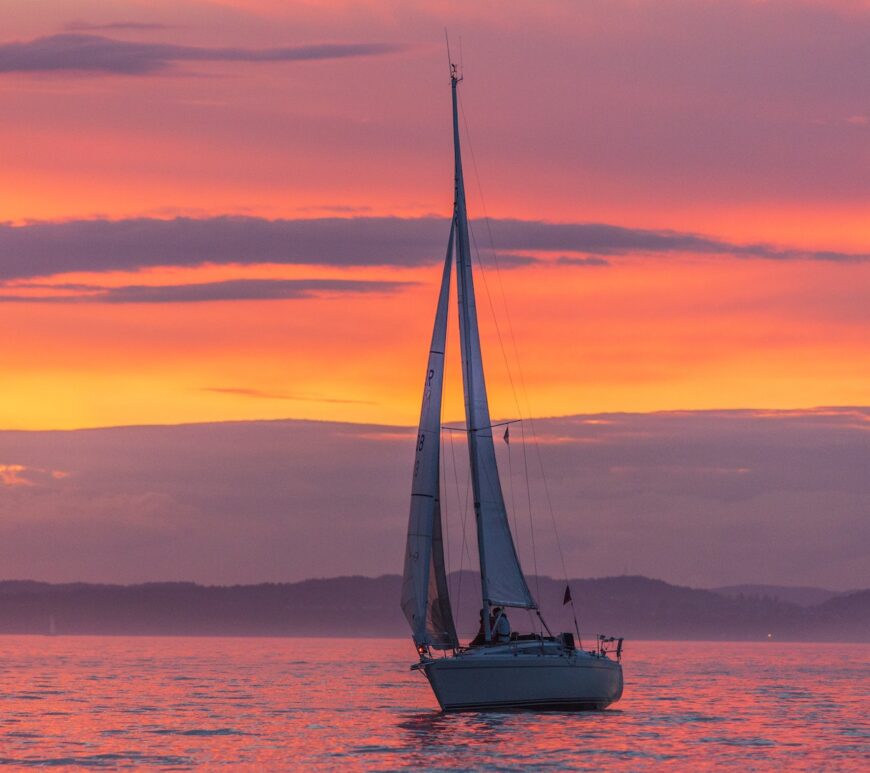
<point x="613" y="116"/>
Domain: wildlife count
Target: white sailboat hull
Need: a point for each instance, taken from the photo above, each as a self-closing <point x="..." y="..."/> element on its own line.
<point x="524" y="677"/>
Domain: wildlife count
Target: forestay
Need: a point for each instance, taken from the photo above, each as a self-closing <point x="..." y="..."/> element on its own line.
<point x="425" y="599"/>
<point x="502" y="578"/>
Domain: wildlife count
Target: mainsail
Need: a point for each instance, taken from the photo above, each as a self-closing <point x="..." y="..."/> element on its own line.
<point x="425" y="599"/>
<point x="502" y="578"/>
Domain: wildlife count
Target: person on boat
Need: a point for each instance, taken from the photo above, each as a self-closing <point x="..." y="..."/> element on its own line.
<point x="480" y="638"/>
<point x="502" y="627"/>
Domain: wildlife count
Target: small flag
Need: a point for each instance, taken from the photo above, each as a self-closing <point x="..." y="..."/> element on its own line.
<point x="567" y="599"/>
<point x="507" y="435"/>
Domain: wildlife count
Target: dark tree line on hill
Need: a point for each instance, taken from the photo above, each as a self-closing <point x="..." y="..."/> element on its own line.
<point x="634" y="607"/>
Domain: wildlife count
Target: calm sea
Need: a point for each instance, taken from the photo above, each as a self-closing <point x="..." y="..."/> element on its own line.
<point x="318" y="704"/>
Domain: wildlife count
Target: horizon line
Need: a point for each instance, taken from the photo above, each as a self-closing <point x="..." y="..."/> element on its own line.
<point x="397" y="575"/>
<point x="657" y="412"/>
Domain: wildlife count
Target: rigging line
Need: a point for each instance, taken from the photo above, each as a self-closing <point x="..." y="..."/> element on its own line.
<point x="463" y="550"/>
<point x="442" y="479"/>
<point x="482" y="267"/>
<point x="462" y="522"/>
<point x="501" y="341"/>
<point x="497" y="326"/>
<point x="477" y="429"/>
<point x="489" y="486"/>
<point x="511" y="489"/>
<point x="483" y="271"/>
<point x="445" y="521"/>
<point x="531" y="520"/>
<point x="449" y="58"/>
<point x="520" y="375"/>
<point x="465" y="509"/>
<point x="537" y="448"/>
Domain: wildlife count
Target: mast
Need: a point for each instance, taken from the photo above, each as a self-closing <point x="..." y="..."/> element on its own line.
<point x="501" y="577"/>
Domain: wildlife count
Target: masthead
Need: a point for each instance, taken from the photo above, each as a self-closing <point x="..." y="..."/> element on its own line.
<point x="455" y="75"/>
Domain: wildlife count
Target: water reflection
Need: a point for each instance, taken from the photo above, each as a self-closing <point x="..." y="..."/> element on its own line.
<point x="318" y="705"/>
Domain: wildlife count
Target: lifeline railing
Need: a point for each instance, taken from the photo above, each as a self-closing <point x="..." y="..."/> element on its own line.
<point x="603" y="641"/>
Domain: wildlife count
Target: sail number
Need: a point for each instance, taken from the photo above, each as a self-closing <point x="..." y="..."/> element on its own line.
<point x="421" y="440"/>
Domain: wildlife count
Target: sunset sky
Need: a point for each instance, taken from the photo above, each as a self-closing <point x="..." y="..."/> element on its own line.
<point x="229" y="211"/>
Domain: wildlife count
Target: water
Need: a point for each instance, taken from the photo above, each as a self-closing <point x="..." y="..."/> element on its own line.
<point x="322" y="705"/>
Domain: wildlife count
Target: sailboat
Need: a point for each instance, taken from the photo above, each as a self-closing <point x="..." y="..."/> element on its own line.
<point x="497" y="670"/>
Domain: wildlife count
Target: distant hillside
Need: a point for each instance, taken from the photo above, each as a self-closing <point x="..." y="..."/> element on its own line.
<point x="634" y="607"/>
<point x="801" y="595"/>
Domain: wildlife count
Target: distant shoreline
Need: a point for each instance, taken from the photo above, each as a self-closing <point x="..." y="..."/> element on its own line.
<point x="637" y="608"/>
